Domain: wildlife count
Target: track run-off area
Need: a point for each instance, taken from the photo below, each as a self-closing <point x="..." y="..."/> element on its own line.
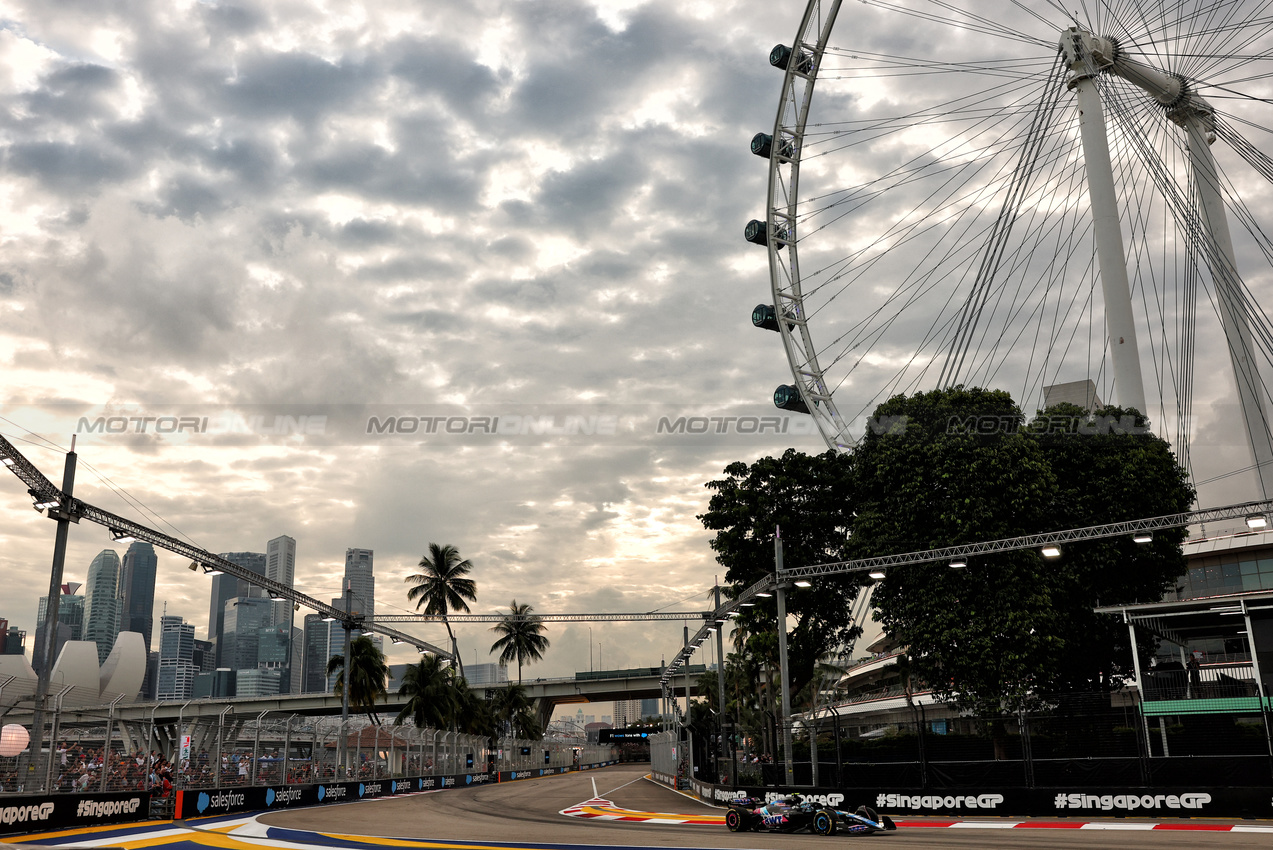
<point x="617" y="807"/>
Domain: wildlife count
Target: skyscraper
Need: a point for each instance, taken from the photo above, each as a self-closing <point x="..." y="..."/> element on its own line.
<point x="360" y="579"/>
<point x="137" y="586"/>
<point x="280" y="566"/>
<point x="227" y="587"/>
<point x="101" y="602"/>
<point x="70" y="623"/>
<point x="241" y="635"/>
<point x="317" y="639"/>
<point x="176" y="659"/>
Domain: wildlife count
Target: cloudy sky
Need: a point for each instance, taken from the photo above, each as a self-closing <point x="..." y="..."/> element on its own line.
<point x="234" y="213"/>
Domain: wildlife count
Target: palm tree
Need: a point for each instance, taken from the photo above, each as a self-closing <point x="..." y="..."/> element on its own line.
<point x="474" y="716"/>
<point x="367" y="676"/>
<point x="441" y="587"/>
<point x="511" y="705"/>
<point x="523" y="637"/>
<point x="430" y="691"/>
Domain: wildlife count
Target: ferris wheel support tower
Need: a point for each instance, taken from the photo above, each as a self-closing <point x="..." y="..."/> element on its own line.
<point x="1087" y="56"/>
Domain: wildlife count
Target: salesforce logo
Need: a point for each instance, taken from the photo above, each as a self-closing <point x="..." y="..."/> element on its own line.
<point x="322" y="793"/>
<point x="361" y="789"/>
<point x="204" y="799"/>
<point x="269" y="796"/>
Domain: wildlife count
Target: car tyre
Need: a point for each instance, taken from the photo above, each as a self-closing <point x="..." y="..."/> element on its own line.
<point x="824" y="822"/>
<point x="733" y="820"/>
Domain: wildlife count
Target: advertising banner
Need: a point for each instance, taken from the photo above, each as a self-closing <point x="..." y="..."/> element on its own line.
<point x="62" y="811"/>
<point x="1187" y="802"/>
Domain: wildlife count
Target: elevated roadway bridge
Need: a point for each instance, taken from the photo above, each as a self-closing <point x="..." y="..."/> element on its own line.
<point x="172" y="719"/>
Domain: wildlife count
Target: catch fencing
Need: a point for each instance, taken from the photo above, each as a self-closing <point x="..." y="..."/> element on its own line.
<point x="95" y="752"/>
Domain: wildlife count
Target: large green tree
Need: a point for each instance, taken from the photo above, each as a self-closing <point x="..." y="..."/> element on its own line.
<point x="429" y="687"/>
<point x="522" y="636"/>
<point x="811" y="500"/>
<point x="1013" y="626"/>
<point x="515" y="710"/>
<point x="442" y="586"/>
<point x="368" y="673"/>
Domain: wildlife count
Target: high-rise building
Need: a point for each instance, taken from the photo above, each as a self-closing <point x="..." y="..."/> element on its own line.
<point x="280" y="566"/>
<point x="226" y="587"/>
<point x="101" y="602"/>
<point x="257" y="683"/>
<point x="205" y="656"/>
<point x="176" y="659"/>
<point x="137" y="587"/>
<point x="317" y="640"/>
<point x="361" y="581"/>
<point x="70" y="623"/>
<point x="217" y="684"/>
<point x="274" y="652"/>
<point x="626" y="712"/>
<point x="651" y="708"/>
<point x="241" y="634"/>
<point x="486" y="674"/>
<point x="12" y="641"/>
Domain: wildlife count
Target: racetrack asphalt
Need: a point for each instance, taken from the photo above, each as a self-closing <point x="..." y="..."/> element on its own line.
<point x="526" y="813"/>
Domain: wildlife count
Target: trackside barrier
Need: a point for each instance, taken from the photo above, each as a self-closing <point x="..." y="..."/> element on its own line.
<point x="207" y="803"/>
<point x="1188" y="802"/>
<point x="47" y="812"/>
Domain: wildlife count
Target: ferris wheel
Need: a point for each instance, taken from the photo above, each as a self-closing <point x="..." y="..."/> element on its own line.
<point x="1022" y="198"/>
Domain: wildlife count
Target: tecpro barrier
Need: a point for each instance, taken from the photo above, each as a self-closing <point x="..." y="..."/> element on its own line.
<point x="1207" y="802"/>
<point x="63" y="811"/>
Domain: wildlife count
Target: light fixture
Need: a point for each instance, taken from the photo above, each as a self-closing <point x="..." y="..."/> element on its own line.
<point x="734" y="614"/>
<point x="748" y="604"/>
<point x="1256" y="521"/>
<point x="712" y="629"/>
<point x="958" y="563"/>
<point x="1143" y="537"/>
<point x="8" y="461"/>
<point x="395" y="641"/>
<point x="194" y="566"/>
<point x="1051" y="551"/>
<point x="296" y="607"/>
<point x="764" y="595"/>
<point x="212" y="571"/>
<point x="876" y="574"/>
<point x="804" y="582"/>
<point x="275" y="595"/>
<point x="720" y="619"/>
<point x="324" y="617"/>
<point x="120" y="536"/>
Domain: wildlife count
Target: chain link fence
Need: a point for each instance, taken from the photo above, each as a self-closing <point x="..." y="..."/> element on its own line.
<point x="91" y="750"/>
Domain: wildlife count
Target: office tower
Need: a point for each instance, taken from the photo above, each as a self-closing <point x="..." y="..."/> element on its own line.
<point x="297" y="663"/>
<point x="274" y="652"/>
<point x="486" y="674"/>
<point x="70" y="623"/>
<point x="317" y="633"/>
<point x="219" y="684"/>
<point x="227" y="587"/>
<point x="241" y="635"/>
<point x="12" y="641"/>
<point x="257" y="683"/>
<point x="176" y="659"/>
<point x="626" y="712"/>
<point x="137" y="589"/>
<point x="280" y="566"/>
<point x="360" y="580"/>
<point x="101" y="602"/>
<point x="651" y="708"/>
<point x="205" y="656"/>
<point x="150" y="685"/>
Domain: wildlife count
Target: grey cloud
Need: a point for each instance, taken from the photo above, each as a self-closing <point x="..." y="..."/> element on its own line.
<point x="68" y="168"/>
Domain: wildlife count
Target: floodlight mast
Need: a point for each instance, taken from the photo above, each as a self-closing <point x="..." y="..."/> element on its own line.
<point x="1088" y="56"/>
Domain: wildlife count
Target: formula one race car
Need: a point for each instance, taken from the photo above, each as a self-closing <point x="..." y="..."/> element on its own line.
<point x="794" y="814"/>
